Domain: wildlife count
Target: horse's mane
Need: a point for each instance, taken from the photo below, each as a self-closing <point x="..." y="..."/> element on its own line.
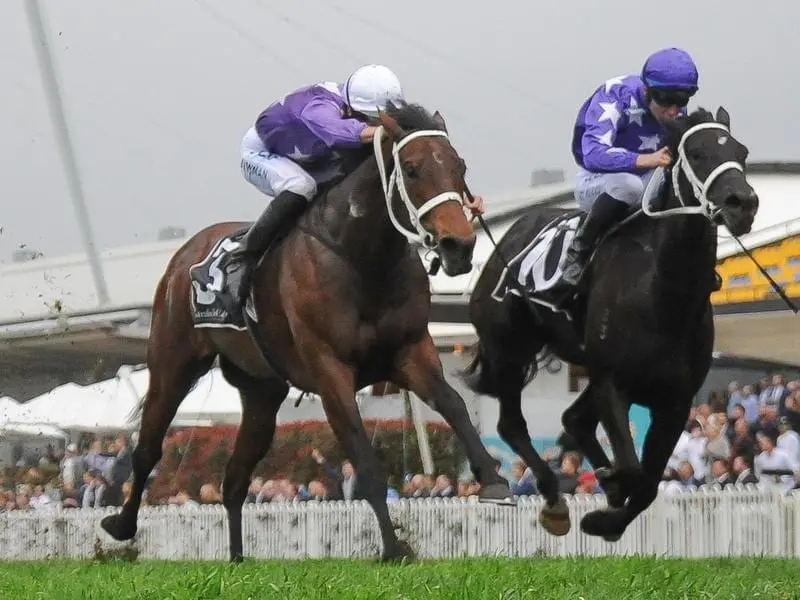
<point x="700" y="115"/>
<point x="412" y="117"/>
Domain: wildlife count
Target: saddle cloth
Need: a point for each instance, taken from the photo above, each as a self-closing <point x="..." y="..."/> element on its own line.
<point x="538" y="267"/>
<point x="212" y="279"/>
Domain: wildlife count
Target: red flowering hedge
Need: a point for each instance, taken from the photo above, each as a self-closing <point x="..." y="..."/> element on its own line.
<point x="198" y="455"/>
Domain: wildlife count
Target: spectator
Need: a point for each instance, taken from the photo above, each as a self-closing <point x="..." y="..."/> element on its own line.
<point x="345" y="477"/>
<point x="253" y="490"/>
<point x="788" y="440"/>
<point x="587" y="483"/>
<point x="523" y="481"/>
<point x="720" y="473"/>
<point x="773" y="458"/>
<point x="743" y="470"/>
<point x="744" y="443"/>
<point x="567" y="476"/>
<point x="72" y="466"/>
<point x="696" y="451"/>
<point x="750" y="404"/>
<point x="119" y="469"/>
<point x="443" y="488"/>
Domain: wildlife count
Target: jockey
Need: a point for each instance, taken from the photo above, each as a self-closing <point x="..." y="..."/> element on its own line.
<point x="304" y="128"/>
<point x="616" y="143"/>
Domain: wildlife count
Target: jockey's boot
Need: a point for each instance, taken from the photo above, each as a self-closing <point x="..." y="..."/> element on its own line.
<point x="284" y="209"/>
<point x="604" y="212"/>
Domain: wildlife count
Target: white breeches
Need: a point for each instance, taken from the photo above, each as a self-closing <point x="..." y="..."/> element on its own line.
<point x="272" y="173"/>
<point x="625" y="187"/>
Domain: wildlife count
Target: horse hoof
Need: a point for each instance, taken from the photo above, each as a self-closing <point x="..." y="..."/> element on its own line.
<point x="602" y="523"/>
<point x="401" y="553"/>
<point x="237" y="559"/>
<point x="496" y="493"/>
<point x="118" y="527"/>
<point x="555" y="519"/>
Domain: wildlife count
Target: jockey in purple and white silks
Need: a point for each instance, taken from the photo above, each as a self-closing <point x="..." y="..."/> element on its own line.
<point x="306" y="127"/>
<point x="617" y="143"/>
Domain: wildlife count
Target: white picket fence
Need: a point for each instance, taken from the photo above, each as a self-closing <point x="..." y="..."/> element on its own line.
<point x="690" y="524"/>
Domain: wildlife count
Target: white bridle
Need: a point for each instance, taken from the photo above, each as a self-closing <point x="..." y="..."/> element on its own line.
<point x="699" y="188"/>
<point x="396" y="180"/>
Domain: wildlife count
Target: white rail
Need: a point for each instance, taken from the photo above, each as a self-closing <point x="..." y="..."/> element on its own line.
<point x="691" y="524"/>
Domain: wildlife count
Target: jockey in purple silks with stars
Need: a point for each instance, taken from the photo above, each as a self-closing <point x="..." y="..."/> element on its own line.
<point x="305" y="129"/>
<point x="617" y="143"/>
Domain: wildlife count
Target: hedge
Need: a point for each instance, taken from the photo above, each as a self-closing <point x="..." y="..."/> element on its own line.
<point x="198" y="455"/>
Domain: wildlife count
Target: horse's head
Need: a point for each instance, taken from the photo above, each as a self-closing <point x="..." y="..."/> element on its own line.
<point x="710" y="166"/>
<point x="429" y="176"/>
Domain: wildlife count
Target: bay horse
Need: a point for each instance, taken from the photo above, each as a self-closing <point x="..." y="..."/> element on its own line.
<point x="641" y="320"/>
<point x="342" y="301"/>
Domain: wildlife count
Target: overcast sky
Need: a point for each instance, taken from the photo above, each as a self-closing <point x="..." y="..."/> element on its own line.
<point x="159" y="92"/>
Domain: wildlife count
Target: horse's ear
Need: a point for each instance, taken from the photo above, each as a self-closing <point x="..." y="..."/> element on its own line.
<point x="390" y="125"/>
<point x="439" y="120"/>
<point x="723" y="117"/>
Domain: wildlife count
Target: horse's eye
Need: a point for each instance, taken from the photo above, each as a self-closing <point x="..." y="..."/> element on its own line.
<point x="695" y="154"/>
<point x="410" y="170"/>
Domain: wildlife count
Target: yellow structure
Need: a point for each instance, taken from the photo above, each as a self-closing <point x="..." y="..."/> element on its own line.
<point x="743" y="282"/>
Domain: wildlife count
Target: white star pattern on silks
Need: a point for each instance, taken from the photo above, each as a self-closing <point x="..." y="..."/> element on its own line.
<point x="610" y="113"/>
<point x="605" y="139"/>
<point x="612" y="82"/>
<point x="649" y="142"/>
<point x="297" y="155"/>
<point x="635" y="112"/>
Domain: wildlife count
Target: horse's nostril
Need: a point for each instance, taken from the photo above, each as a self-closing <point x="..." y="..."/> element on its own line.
<point x="733" y="201"/>
<point x="453" y="244"/>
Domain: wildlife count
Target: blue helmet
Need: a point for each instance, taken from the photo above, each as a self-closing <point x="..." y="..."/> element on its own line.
<point x="670" y="68"/>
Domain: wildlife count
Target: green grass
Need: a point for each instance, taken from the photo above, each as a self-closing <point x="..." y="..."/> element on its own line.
<point x="474" y="579"/>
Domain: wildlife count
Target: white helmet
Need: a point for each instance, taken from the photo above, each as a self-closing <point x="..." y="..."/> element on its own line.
<point x="372" y="87"/>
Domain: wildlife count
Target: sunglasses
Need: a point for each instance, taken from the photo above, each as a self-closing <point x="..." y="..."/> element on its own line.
<point x="666" y="98"/>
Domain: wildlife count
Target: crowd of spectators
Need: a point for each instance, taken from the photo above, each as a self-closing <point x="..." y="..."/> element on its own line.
<point x="748" y="434"/>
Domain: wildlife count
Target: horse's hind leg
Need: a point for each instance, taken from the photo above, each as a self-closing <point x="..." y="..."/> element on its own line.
<point x="419" y="370"/>
<point x="174" y="369"/>
<point x="513" y="428"/>
<point x="580" y="421"/>
<point x="662" y="436"/>
<point x="261" y="400"/>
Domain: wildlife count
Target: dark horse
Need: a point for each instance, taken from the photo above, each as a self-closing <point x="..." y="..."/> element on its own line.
<point x="642" y="324"/>
<point x="342" y="302"/>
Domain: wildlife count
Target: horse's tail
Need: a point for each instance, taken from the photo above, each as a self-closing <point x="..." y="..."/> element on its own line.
<point x="135" y="414"/>
<point x="483" y="375"/>
<point x="476" y="375"/>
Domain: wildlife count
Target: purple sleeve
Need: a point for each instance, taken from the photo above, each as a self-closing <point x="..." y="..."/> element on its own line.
<point x="324" y="119"/>
<point x="602" y="119"/>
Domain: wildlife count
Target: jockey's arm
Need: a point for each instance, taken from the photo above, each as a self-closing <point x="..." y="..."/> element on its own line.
<point x="603" y="116"/>
<point x="324" y="119"/>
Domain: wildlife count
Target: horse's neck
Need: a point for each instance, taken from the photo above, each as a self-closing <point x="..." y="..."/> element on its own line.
<point x="355" y="218"/>
<point x="685" y="248"/>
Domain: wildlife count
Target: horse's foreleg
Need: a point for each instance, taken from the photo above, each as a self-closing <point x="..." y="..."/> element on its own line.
<point x="662" y="436"/>
<point x="419" y="370"/>
<point x="336" y="385"/>
<point x="260" y="403"/>
<point x="513" y="428"/>
<point x="170" y="381"/>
